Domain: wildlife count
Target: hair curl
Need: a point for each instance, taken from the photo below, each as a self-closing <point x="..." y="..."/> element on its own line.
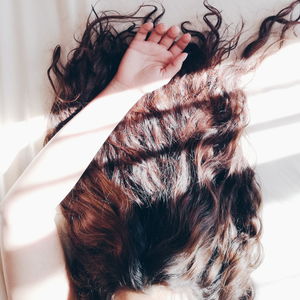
<point x="169" y="198"/>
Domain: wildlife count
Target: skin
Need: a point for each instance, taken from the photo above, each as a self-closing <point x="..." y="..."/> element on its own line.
<point x="153" y="293"/>
<point x="152" y="63"/>
<point x="32" y="256"/>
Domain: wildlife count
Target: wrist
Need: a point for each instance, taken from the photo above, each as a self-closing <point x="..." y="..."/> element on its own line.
<point x="117" y="87"/>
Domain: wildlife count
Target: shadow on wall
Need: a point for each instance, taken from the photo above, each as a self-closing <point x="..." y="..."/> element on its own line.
<point x="274" y="123"/>
<point x="274" y="87"/>
<point x="280" y="179"/>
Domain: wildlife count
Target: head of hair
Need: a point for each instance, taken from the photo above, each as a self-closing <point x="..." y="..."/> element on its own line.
<point x="169" y="198"/>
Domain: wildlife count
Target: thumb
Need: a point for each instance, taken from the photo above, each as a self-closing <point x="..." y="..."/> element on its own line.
<point x="174" y="66"/>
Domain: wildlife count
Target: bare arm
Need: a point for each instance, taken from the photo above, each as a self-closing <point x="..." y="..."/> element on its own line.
<point x="32" y="255"/>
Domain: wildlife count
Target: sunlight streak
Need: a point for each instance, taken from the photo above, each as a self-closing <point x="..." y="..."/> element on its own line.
<point x="55" y="282"/>
<point x="18" y="135"/>
<point x="272" y="144"/>
<point x="279" y="271"/>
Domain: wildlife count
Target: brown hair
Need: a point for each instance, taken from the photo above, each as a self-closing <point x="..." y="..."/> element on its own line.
<point x="169" y="198"/>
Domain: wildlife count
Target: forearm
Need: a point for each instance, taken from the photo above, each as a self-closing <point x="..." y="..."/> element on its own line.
<point x="29" y="208"/>
<point x="59" y="165"/>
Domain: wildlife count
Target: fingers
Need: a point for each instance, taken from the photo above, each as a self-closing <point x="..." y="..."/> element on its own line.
<point x="169" y="37"/>
<point x="180" y="45"/>
<point x="157" y="33"/>
<point x="164" y="37"/>
<point x="143" y="31"/>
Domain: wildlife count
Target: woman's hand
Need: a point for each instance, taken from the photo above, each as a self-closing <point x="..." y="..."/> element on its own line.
<point x="149" y="64"/>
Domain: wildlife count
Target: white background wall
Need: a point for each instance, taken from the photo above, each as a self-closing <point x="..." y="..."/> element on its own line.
<point x="29" y="31"/>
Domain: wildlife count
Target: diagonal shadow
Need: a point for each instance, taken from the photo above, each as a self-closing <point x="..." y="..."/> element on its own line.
<point x="280" y="179"/>
<point x="273" y="87"/>
<point x="274" y="123"/>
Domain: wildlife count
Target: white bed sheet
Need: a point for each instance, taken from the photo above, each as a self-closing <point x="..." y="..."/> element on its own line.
<point x="30" y="29"/>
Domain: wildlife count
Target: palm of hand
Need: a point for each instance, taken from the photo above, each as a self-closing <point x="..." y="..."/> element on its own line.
<point x="149" y="64"/>
<point x="146" y="62"/>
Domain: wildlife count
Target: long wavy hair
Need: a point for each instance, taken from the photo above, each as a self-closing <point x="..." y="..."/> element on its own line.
<point x="169" y="198"/>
